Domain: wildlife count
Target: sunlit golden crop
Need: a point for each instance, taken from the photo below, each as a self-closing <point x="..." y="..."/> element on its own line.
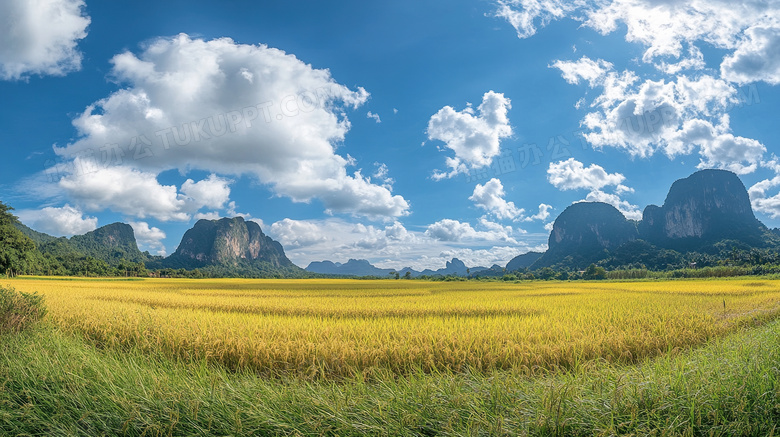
<point x="337" y="328"/>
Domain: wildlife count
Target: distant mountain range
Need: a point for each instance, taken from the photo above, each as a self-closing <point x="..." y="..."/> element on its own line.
<point x="361" y="267"/>
<point x="706" y="212"/>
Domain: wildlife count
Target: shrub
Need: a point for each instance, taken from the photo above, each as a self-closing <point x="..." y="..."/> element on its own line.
<point x="18" y="310"/>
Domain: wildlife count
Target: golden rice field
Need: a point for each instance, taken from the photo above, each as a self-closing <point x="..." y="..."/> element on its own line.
<point x="334" y="328"/>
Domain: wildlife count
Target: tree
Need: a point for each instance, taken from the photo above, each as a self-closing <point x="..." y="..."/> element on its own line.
<point x="18" y="253"/>
<point x="408" y="275"/>
<point x="594" y="273"/>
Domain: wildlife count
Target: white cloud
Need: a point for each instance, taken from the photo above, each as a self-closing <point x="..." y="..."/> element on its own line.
<point x="397" y="232"/>
<point x="669" y="30"/>
<point x="646" y="117"/>
<point x="149" y="238"/>
<point x="209" y="215"/>
<point x="760" y="200"/>
<point x="63" y="221"/>
<point x="40" y="37"/>
<point x="475" y="139"/>
<point x="449" y="230"/>
<point x="720" y="148"/>
<point x="572" y="175"/>
<point x="526" y="15"/>
<point x="125" y="190"/>
<point x="212" y="192"/>
<point x="374" y="116"/>
<point x="454" y="231"/>
<point x="585" y="68"/>
<point x="296" y="233"/>
<point x="382" y="174"/>
<point x="231" y="212"/>
<point x="642" y="116"/>
<point x="232" y="109"/>
<point x="625" y="207"/>
<point x="137" y="193"/>
<point x="543" y="214"/>
<point x="756" y="57"/>
<point x="490" y="197"/>
<point x="676" y="117"/>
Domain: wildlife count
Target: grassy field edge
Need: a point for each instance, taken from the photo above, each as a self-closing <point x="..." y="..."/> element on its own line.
<point x="55" y="384"/>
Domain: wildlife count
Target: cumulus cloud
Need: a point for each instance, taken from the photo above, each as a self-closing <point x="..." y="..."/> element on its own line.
<point x="125" y="190"/>
<point x="149" y="237"/>
<point x="677" y="117"/>
<point x="232" y="109"/>
<point x="475" y="138"/>
<point x="40" y="37"/>
<point x="645" y="117"/>
<point x="138" y="193"/>
<point x="454" y="231"/>
<point x="490" y="197"/>
<point x="668" y="30"/>
<point x="585" y="68"/>
<point x="212" y="192"/>
<point x="755" y="58"/>
<point x="625" y="207"/>
<point x="573" y="175"/>
<point x="760" y="199"/>
<point x="374" y="116"/>
<point x="296" y="233"/>
<point x="382" y="174"/>
<point x="527" y="15"/>
<point x="59" y="221"/>
<point x="642" y="116"/>
<point x="543" y="214"/>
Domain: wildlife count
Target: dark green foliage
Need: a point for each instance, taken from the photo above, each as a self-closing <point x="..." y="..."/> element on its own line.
<point x="38" y="238"/>
<point x="594" y="272"/>
<point x="114" y="244"/>
<point x="17" y="251"/>
<point x="18" y="310"/>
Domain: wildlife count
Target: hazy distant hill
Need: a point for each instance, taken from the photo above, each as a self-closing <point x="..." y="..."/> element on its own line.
<point x="353" y="267"/>
<point x="362" y="267"/>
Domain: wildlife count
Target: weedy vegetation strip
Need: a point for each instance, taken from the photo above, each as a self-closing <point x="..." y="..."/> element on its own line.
<point x="19" y="310"/>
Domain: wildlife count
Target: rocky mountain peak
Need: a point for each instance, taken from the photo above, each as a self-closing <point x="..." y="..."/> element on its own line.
<point x="227" y="241"/>
<point x="706" y="206"/>
<point x="584" y="230"/>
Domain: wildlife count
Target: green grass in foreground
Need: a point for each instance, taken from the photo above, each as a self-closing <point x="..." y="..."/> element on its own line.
<point x="54" y="384"/>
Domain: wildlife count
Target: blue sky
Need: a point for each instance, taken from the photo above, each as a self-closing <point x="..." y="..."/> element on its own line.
<point x="406" y="133"/>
